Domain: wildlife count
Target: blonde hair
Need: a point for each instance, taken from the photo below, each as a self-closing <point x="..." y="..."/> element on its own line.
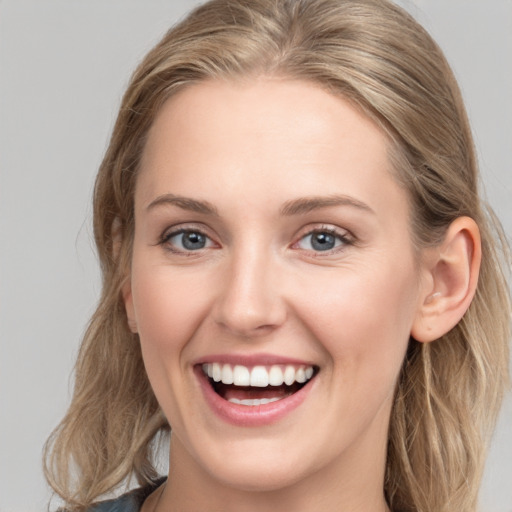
<point x="374" y="54"/>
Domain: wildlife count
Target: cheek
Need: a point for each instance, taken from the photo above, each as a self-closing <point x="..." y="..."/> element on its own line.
<point x="363" y="320"/>
<point x="169" y="308"/>
<point x="168" y="303"/>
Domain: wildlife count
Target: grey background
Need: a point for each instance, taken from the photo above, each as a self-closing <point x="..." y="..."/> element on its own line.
<point x="63" y="67"/>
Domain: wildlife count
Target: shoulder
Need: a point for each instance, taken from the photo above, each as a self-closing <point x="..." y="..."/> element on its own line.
<point x="125" y="503"/>
<point x="130" y="502"/>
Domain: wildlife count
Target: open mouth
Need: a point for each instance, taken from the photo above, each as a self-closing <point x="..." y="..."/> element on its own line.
<point x="257" y="385"/>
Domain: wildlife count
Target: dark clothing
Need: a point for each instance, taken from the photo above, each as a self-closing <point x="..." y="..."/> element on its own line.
<point x="129" y="502"/>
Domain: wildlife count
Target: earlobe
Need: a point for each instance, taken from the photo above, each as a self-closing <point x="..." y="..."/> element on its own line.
<point x="453" y="268"/>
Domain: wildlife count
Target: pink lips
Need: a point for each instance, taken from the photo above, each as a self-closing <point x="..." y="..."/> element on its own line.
<point x="255" y="415"/>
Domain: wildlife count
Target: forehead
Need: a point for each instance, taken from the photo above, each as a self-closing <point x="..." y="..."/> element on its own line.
<point x="217" y="136"/>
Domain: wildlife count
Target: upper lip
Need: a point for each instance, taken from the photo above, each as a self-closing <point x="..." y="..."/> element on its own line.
<point x="252" y="360"/>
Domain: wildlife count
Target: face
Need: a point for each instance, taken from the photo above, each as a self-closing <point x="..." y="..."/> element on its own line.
<point x="273" y="282"/>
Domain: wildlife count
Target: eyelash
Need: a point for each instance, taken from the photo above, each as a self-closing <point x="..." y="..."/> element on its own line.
<point x="168" y="235"/>
<point x="344" y="239"/>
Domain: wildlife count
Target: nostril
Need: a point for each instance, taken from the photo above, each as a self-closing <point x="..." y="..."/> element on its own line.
<point x="250" y="322"/>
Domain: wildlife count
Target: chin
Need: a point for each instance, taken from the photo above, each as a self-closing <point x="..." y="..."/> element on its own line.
<point x="260" y="476"/>
<point x="265" y="464"/>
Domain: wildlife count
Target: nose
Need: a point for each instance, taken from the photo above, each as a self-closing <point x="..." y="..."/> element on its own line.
<point x="250" y="302"/>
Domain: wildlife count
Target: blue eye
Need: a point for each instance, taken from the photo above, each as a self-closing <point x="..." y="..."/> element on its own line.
<point x="188" y="240"/>
<point x="319" y="241"/>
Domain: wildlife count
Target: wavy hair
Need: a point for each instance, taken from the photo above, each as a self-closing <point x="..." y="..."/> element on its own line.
<point x="377" y="56"/>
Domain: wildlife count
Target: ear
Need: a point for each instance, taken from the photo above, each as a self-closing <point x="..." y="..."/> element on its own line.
<point x="452" y="275"/>
<point x="126" y="289"/>
<point x="126" y="292"/>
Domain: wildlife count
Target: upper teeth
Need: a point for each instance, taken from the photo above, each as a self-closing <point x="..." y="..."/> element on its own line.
<point x="258" y="376"/>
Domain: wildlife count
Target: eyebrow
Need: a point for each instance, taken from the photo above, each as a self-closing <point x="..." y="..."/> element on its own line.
<point x="308" y="204"/>
<point x="294" y="207"/>
<point x="185" y="203"/>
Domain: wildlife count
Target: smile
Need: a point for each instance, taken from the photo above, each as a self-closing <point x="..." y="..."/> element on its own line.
<point x="258" y="376"/>
<point x="252" y="394"/>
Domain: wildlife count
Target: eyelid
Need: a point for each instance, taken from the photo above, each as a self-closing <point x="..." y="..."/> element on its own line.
<point x="184" y="226"/>
<point x="344" y="235"/>
<point x="177" y="229"/>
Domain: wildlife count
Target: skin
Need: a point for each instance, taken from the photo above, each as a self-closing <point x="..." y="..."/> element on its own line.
<point x="258" y="286"/>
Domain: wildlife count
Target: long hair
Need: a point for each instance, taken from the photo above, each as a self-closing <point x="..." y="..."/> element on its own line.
<point x="375" y="55"/>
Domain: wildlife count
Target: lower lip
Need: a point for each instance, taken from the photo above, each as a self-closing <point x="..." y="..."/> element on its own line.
<point x="250" y="415"/>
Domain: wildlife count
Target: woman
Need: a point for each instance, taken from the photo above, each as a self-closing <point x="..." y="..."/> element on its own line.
<point x="299" y="278"/>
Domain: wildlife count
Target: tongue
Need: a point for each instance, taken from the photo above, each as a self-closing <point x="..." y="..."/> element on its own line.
<point x="227" y="391"/>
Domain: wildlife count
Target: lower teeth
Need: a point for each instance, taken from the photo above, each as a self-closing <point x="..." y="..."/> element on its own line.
<point x="253" y="402"/>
